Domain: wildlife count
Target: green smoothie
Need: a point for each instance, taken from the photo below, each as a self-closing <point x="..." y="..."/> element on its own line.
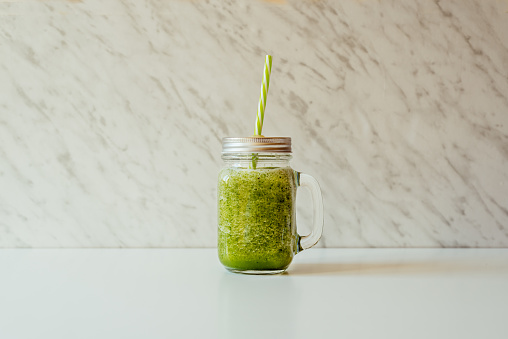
<point x="256" y="218"/>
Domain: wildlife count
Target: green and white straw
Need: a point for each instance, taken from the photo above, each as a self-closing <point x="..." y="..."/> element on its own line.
<point x="262" y="104"/>
<point x="262" y="96"/>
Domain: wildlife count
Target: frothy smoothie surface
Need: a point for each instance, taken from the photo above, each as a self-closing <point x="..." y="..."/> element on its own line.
<point x="256" y="218"/>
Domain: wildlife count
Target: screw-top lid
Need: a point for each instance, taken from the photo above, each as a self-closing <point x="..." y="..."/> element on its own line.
<point x="256" y="145"/>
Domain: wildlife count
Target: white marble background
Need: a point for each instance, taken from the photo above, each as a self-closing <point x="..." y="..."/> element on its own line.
<point x="111" y="115"/>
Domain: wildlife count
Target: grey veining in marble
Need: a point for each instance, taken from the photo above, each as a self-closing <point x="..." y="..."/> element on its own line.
<point x="111" y="115"/>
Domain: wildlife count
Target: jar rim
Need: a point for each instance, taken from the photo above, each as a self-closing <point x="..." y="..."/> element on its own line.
<point x="256" y="144"/>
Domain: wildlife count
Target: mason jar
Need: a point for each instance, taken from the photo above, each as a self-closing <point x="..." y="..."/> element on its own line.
<point x="256" y="198"/>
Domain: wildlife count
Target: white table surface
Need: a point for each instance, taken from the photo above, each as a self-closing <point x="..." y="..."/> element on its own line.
<point x="185" y="293"/>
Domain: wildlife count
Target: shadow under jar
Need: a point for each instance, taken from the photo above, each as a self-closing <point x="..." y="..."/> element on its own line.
<point x="256" y="196"/>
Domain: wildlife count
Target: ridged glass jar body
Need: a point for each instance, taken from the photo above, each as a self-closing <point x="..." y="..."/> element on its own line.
<point x="256" y="212"/>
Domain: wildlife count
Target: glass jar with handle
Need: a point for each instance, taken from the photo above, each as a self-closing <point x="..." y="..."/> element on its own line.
<point x="256" y="197"/>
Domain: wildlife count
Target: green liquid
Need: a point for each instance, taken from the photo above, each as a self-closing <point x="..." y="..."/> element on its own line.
<point x="256" y="218"/>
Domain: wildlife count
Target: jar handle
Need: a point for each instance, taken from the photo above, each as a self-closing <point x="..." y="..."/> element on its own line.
<point x="307" y="241"/>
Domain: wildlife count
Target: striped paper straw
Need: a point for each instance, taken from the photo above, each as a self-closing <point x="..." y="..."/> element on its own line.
<point x="262" y="96"/>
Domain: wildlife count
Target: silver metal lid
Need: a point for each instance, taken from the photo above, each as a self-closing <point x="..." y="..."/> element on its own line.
<point x="256" y="145"/>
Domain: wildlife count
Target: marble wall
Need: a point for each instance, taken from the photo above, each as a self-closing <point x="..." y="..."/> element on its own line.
<point x="112" y="112"/>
